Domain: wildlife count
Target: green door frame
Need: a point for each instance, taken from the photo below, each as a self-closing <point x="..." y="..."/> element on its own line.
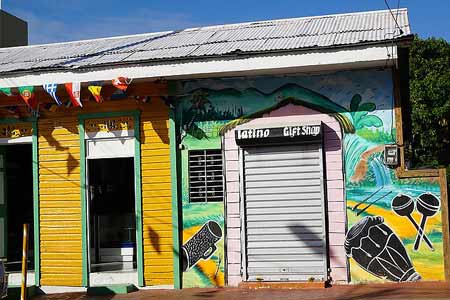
<point x="176" y="212"/>
<point x="35" y="160"/>
<point x="137" y="185"/>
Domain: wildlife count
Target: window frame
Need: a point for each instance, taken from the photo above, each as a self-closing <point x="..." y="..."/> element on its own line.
<point x="216" y="154"/>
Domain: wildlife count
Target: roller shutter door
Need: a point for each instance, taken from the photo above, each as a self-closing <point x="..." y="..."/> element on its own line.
<point x="284" y="213"/>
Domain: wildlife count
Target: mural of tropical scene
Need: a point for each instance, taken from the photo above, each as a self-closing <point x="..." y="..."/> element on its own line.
<point x="394" y="226"/>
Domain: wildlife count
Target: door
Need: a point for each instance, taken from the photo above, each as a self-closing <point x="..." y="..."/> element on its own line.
<point x="285" y="236"/>
<point x="3" y="210"/>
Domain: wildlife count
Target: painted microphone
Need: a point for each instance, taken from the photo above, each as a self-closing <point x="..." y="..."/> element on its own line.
<point x="201" y="245"/>
<point x="379" y="251"/>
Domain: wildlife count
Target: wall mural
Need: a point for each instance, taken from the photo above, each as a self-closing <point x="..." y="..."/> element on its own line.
<point x="379" y="251"/>
<point x="381" y="244"/>
<point x="202" y="251"/>
<point x="201" y="246"/>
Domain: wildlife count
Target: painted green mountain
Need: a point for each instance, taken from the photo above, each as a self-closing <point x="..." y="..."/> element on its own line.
<point x="231" y="103"/>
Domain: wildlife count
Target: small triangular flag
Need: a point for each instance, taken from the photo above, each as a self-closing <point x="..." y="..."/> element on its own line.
<point x="28" y="96"/>
<point x="73" y="89"/>
<point x="95" y="89"/>
<point x="6" y="91"/>
<point x="51" y="88"/>
<point x="121" y="83"/>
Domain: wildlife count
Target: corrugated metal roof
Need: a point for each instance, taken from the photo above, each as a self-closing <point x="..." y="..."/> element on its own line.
<point x="254" y="37"/>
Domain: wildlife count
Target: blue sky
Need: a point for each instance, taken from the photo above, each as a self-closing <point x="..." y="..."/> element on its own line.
<point x="65" y="20"/>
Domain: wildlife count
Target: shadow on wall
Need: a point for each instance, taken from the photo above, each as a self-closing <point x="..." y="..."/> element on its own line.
<point x="304" y="233"/>
<point x="332" y="141"/>
<point x="154" y="239"/>
<point x="72" y="162"/>
<point x="158" y="124"/>
<point x="162" y="130"/>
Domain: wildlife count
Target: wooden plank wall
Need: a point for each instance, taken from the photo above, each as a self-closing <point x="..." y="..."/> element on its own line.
<point x="156" y="197"/>
<point x="60" y="201"/>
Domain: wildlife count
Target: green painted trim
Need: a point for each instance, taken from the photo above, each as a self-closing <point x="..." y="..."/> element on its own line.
<point x="138" y="198"/>
<point x="114" y="289"/>
<point x="138" y="190"/>
<point x="175" y="207"/>
<point x="36" y="214"/>
<point x="84" y="233"/>
<point x="14" y="120"/>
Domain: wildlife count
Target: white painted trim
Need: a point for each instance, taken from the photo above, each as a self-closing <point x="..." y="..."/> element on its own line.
<point x="15" y="278"/>
<point x="110" y="148"/>
<point x="50" y="289"/>
<point x="156" y="287"/>
<point x="111" y="278"/>
<point x="368" y="56"/>
<point x="19" y="140"/>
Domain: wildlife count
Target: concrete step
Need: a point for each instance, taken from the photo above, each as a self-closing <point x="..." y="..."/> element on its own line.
<point x="111" y="289"/>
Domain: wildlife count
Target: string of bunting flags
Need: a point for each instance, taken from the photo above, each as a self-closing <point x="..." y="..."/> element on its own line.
<point x="73" y="89"/>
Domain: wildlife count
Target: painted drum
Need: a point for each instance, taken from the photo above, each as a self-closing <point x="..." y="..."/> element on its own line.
<point x="379" y="251"/>
<point x="3" y="281"/>
<point x="201" y="245"/>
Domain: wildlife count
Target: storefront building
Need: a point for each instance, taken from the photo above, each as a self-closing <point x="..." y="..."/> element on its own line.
<point x="243" y="154"/>
<point x="310" y="168"/>
<point x="309" y="195"/>
<point x="100" y="177"/>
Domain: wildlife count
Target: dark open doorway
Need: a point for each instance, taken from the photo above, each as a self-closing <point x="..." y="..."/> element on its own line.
<point x="17" y="206"/>
<point x="112" y="223"/>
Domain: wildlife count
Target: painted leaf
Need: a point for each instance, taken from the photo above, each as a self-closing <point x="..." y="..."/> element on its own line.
<point x="358" y="115"/>
<point x="370" y="121"/>
<point x="354" y="103"/>
<point x="368" y="106"/>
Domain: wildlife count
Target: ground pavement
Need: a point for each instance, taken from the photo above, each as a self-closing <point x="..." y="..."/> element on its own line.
<point x="409" y="291"/>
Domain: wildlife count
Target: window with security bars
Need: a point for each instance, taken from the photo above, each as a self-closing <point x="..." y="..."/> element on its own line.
<point x="205" y="176"/>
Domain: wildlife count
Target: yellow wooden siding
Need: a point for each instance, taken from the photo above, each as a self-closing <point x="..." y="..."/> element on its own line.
<point x="60" y="204"/>
<point x="156" y="198"/>
<point x="60" y="201"/>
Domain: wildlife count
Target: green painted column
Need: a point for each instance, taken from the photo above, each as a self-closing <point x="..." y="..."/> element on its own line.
<point x="36" y="223"/>
<point x="174" y="167"/>
<point x="84" y="233"/>
<point x="138" y="197"/>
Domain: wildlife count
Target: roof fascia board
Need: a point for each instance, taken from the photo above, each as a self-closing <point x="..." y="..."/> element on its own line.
<point x="288" y="62"/>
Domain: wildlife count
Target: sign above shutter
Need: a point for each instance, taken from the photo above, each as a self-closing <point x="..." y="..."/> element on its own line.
<point x="289" y="134"/>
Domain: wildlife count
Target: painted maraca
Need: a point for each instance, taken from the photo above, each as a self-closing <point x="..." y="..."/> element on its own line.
<point x="428" y="205"/>
<point x="403" y="205"/>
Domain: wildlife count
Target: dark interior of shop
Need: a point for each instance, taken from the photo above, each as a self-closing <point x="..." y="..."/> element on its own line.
<point x="112" y="214"/>
<point x="19" y="203"/>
